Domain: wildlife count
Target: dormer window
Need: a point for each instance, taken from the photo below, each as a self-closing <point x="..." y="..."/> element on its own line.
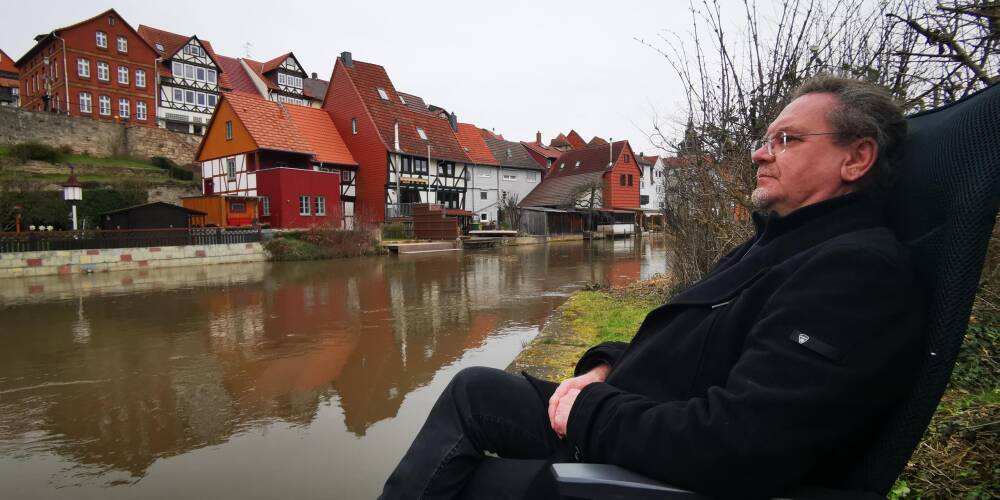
<point x="194" y="50"/>
<point x="159" y="47"/>
<point x="421" y="133"/>
<point x="384" y="95"/>
<point x="401" y="99"/>
<point x="509" y="154"/>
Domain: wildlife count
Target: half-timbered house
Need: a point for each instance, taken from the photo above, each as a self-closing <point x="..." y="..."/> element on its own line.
<point x="281" y="79"/>
<point x="406" y="155"/>
<point x="190" y="80"/>
<point x="289" y="159"/>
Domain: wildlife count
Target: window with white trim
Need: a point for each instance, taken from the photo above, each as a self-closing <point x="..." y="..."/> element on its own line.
<point x="102" y="39"/>
<point x="231" y="169"/>
<point x="199" y="74"/>
<point x="509" y="177"/>
<point x="122" y="44"/>
<point x="123" y="75"/>
<point x="140" y="110"/>
<point x="532" y="176"/>
<point x="104" y="105"/>
<point x="123" y="108"/>
<point x="194" y="50"/>
<point x="86" y="103"/>
<point x="421" y="133"/>
<point x="140" y="78"/>
<point x="382" y="93"/>
<point x="321" y="205"/>
<point x="229" y="130"/>
<point x="303" y="205"/>
<point x="103" y="71"/>
<point x="83" y="67"/>
<point x="354" y="126"/>
<point x="265" y="206"/>
<point x="212" y="100"/>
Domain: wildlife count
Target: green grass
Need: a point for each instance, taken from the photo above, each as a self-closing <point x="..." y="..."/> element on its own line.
<point x="132" y="163"/>
<point x="602" y="317"/>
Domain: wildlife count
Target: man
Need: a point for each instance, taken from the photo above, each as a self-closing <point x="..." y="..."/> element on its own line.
<point x="772" y="372"/>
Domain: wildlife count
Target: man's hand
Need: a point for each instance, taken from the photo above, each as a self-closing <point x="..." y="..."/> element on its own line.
<point x="562" y="400"/>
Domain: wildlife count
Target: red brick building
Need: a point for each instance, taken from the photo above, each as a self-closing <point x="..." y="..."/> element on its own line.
<point x="99" y="68"/>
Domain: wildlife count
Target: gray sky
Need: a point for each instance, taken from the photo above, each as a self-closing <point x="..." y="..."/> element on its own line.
<point x="515" y="66"/>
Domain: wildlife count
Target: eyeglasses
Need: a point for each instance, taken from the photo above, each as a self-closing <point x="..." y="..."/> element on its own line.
<point x="783" y="138"/>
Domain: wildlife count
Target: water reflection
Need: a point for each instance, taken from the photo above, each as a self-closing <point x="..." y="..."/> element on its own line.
<point x="103" y="376"/>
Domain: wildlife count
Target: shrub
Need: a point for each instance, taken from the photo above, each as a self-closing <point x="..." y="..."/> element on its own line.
<point x="397" y="231"/>
<point x="174" y="170"/>
<point x="321" y="243"/>
<point x="26" y="151"/>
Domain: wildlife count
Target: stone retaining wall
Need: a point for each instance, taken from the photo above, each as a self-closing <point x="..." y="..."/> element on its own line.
<point x="20" y="264"/>
<point x="95" y="138"/>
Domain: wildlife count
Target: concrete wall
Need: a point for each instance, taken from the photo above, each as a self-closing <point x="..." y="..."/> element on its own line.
<point x="21" y="264"/>
<point x="93" y="137"/>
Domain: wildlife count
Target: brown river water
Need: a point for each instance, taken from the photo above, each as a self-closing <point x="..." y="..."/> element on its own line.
<point x="290" y="380"/>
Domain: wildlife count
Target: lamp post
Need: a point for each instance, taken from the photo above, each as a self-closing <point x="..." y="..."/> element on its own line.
<point x="72" y="192"/>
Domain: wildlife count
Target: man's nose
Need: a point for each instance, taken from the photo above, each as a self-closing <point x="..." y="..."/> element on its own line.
<point x="760" y="155"/>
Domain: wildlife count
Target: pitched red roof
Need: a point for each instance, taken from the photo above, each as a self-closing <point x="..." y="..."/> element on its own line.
<point x="315" y="127"/>
<point x="258" y="69"/>
<point x="237" y="78"/>
<point x="7" y="64"/>
<point x="597" y="141"/>
<point x="543" y="150"/>
<point x="561" y="192"/>
<point x="474" y="145"/>
<point x="274" y="63"/>
<point x="647" y="160"/>
<point x="367" y="78"/>
<point x="171" y="43"/>
<point x="574" y="140"/>
<point x="559" y="140"/>
<point x="42" y="39"/>
<point x="590" y="159"/>
<point x="287" y="127"/>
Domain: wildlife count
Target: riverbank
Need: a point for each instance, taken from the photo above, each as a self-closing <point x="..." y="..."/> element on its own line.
<point x="958" y="457"/>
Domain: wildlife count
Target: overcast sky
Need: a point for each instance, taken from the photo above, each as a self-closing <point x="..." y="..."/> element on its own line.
<point x="515" y="66"/>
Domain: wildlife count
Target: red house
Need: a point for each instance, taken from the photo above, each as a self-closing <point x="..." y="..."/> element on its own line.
<point x="9" y="87"/>
<point x="607" y="171"/>
<point x="99" y="68"/>
<point x="288" y="159"/>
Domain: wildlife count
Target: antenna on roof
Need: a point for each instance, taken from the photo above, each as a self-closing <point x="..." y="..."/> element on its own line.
<point x="246" y="49"/>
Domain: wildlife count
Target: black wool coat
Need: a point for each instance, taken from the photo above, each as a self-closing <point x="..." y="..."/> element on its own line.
<point x="773" y="371"/>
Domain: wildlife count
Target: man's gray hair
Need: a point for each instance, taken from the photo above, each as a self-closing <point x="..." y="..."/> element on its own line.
<point x="865" y="110"/>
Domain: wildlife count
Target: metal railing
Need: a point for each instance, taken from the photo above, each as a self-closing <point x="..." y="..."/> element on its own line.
<point x="35" y="241"/>
<point x="397" y="210"/>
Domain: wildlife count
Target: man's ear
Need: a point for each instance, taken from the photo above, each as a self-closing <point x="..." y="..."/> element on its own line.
<point x="863" y="154"/>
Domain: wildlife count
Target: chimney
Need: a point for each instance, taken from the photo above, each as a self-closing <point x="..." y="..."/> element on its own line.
<point x="453" y="120"/>
<point x="315" y="76"/>
<point x="346" y="57"/>
<point x="538" y="137"/>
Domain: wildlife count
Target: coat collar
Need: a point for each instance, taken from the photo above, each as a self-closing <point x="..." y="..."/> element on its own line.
<point x="779" y="238"/>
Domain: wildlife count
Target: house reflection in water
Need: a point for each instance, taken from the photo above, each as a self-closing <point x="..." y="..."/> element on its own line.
<point x="177" y="360"/>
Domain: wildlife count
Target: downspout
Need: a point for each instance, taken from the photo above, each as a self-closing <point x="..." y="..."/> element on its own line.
<point x="65" y="70"/>
<point x="156" y="93"/>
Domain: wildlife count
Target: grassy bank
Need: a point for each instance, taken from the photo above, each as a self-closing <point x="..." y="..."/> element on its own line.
<point x="959" y="456"/>
<point x="29" y="166"/>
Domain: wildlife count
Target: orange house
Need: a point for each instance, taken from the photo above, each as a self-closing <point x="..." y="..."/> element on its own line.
<point x="285" y="160"/>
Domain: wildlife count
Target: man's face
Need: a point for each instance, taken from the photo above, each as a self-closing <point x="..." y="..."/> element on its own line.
<point x="809" y="170"/>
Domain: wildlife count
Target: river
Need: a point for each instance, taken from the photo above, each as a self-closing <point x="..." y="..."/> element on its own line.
<point x="286" y="380"/>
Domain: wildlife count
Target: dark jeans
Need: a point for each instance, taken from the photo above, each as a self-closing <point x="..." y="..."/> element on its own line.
<point x="481" y="410"/>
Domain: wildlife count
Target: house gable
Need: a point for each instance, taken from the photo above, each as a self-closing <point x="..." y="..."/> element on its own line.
<point x="215" y="145"/>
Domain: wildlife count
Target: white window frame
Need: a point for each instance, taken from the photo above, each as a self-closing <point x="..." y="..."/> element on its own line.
<point x="213" y="100"/>
<point x="304" y="203"/>
<point x="532" y="176"/>
<point x="231" y="169"/>
<point x="104" y="105"/>
<point x="141" y="111"/>
<point x="124" y="108"/>
<point x="178" y="95"/>
<point x="122" y="44"/>
<point x="103" y="71"/>
<point x="382" y="93"/>
<point x="354" y="126"/>
<point x="421" y="133"/>
<point x="229" y="130"/>
<point x="140" y="78"/>
<point x="177" y="69"/>
<point x="123" y="72"/>
<point x="102" y="39"/>
<point x="510" y="177"/>
<point x="265" y="206"/>
<point x="211" y="74"/>
<point x="86" y="103"/>
<point x="320" y="205"/>
<point x="189" y="93"/>
<point x="83" y="67"/>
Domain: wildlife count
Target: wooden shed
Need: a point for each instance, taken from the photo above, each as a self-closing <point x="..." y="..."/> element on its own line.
<point x="224" y="211"/>
<point x="157" y="215"/>
<point x="434" y="222"/>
